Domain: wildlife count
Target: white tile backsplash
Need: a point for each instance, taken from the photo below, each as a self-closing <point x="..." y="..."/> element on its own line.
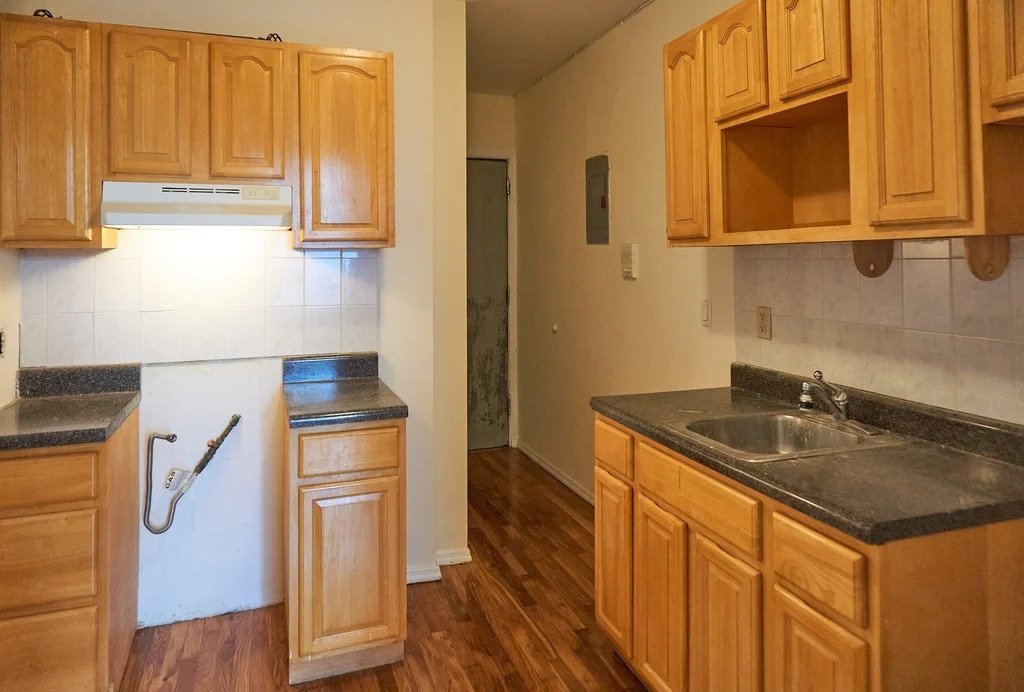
<point x="926" y="330"/>
<point x="196" y="294"/>
<point x="118" y="337"/>
<point x="69" y="339"/>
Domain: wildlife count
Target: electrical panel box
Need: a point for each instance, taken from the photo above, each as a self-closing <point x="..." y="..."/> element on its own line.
<point x="597" y="200"/>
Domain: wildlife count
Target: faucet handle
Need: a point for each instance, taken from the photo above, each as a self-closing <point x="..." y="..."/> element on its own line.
<point x="819" y="376"/>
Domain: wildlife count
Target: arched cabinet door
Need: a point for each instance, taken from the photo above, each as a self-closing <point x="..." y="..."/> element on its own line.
<point x="740" y="83"/>
<point x="686" y="137"/>
<point x="249" y="84"/>
<point x="150" y="104"/>
<point x="346" y="147"/>
<point x="44" y="138"/>
<point x="812" y="44"/>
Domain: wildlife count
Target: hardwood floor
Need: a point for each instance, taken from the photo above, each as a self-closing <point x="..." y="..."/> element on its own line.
<point x="520" y="616"/>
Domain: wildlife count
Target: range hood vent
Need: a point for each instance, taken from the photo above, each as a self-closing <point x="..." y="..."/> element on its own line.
<point x="156" y="205"/>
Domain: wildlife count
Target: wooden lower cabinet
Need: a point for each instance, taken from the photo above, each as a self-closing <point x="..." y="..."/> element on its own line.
<point x="735" y="592"/>
<point x="613" y="578"/>
<point x="725" y="620"/>
<point x="807" y="651"/>
<point x="69" y="564"/>
<point x="346" y="553"/>
<point x="659" y="597"/>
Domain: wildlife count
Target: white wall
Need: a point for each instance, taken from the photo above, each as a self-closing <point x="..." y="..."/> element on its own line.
<point x="9" y="314"/>
<point x="490" y="121"/>
<point x="927" y="330"/>
<point x="412" y="313"/>
<point x="614" y="336"/>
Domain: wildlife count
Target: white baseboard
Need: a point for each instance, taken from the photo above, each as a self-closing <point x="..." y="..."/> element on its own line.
<point x="453" y="556"/>
<point x="560" y="475"/>
<point x="417" y="574"/>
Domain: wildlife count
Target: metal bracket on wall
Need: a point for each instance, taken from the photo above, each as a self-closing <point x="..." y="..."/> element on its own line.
<point x="873" y="257"/>
<point x="987" y="256"/>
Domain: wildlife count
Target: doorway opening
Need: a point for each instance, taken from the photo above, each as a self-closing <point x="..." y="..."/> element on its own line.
<point x="488" y="189"/>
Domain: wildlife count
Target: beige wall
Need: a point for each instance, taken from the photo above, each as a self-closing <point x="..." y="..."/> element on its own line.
<point x="490" y="121"/>
<point x="10" y="312"/>
<point x="411" y="312"/>
<point x="614" y="336"/>
<point x="450" y="278"/>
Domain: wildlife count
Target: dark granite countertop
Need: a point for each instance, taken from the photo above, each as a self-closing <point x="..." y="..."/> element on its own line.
<point x="910" y="488"/>
<point x="68" y="406"/>
<point x="330" y="390"/>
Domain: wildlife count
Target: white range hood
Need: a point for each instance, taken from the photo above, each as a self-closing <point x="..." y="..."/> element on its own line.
<point x="172" y="205"/>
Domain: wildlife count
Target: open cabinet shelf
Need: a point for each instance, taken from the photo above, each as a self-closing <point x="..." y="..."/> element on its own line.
<point x="789" y="169"/>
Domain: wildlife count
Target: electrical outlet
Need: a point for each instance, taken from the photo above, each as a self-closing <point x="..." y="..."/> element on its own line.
<point x="764" y="323"/>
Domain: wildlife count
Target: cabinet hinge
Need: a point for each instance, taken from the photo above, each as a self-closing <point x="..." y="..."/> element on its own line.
<point x="508" y="187"/>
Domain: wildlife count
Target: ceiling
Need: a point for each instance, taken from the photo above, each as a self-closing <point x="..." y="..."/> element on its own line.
<point x="511" y="44"/>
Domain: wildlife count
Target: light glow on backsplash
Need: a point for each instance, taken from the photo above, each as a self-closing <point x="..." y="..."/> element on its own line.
<point x="927" y="330"/>
<point x="196" y="294"/>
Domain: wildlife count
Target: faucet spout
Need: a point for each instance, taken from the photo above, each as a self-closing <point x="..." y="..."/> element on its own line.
<point x="834" y="398"/>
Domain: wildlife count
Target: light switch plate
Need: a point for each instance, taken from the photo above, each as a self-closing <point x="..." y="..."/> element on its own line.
<point x="764" y="322"/>
<point x="705" y="312"/>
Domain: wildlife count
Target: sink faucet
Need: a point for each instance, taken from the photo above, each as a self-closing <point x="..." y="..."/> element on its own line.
<point x="833" y="397"/>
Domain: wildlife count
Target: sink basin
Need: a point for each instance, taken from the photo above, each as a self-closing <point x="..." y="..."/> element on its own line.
<point x="771" y="436"/>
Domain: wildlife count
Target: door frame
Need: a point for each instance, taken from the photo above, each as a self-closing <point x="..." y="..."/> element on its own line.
<point x="509" y="156"/>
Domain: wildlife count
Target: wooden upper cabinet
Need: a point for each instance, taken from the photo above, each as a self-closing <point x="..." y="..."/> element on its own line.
<point x="659" y="597"/>
<point x="1002" y="51"/>
<point x="44" y="130"/>
<point x="725" y="621"/>
<point x="807" y="651"/>
<point x="686" y="137"/>
<point x="249" y="84"/>
<point x="346" y="147"/>
<point x="349" y="576"/>
<point x="613" y="533"/>
<point x="918" y="157"/>
<point x="738" y="60"/>
<point x="810" y="44"/>
<point x="151" y="105"/>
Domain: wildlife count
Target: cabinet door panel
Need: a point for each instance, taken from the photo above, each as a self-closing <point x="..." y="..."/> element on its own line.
<point x="738" y="57"/>
<point x="345" y="147"/>
<point x="686" y="155"/>
<point x="812" y="44"/>
<point x="659" y="631"/>
<point x="51" y="651"/>
<point x="1004" y="50"/>
<point x="150" y="104"/>
<point x="613" y="578"/>
<point x="917" y="113"/>
<point x="44" y="130"/>
<point x="248" y="87"/>
<point x="810" y="652"/>
<point x="350" y="583"/>
<point x="725" y="621"/>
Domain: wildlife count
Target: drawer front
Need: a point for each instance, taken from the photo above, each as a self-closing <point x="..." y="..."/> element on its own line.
<point x="47" y="480"/>
<point x="47" y="558"/>
<point x="726" y="512"/>
<point x="348" y="451"/>
<point x="52" y="651"/>
<point x="613" y="448"/>
<point x="820" y="569"/>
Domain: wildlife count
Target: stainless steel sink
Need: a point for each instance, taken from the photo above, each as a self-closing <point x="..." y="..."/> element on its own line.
<point x="773" y="436"/>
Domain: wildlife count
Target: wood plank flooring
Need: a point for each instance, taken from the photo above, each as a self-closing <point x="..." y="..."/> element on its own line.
<point x="519" y="617"/>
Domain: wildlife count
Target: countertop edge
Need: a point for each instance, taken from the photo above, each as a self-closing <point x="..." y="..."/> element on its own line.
<point x="875" y="534"/>
<point x="311" y="420"/>
<point x="71" y="437"/>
